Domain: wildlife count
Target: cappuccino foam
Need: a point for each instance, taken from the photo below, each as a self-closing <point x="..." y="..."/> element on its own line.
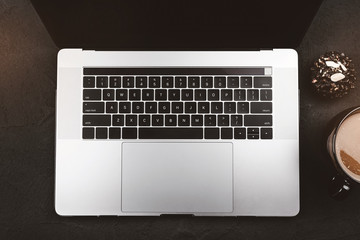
<point x="347" y="146"/>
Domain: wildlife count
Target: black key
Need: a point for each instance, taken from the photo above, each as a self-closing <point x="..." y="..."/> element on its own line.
<point x="253" y="136"/>
<point x="141" y="82"/>
<point x="131" y="120"/>
<point x="246" y="82"/>
<point x="144" y="120"/>
<point x="164" y="107"/>
<point x="223" y="120"/>
<point x="88" y="133"/>
<point x="170" y="133"/>
<point x="184" y="120"/>
<point x="180" y="82"/>
<point x="157" y="120"/>
<point x="229" y="107"/>
<point x="196" y="120"/>
<point x="193" y="82"/>
<point x="124" y="107"/>
<point x="187" y="95"/>
<point x="96" y="120"/>
<point x="138" y="107"/>
<point x="210" y="120"/>
<point x="118" y="120"/>
<point x="216" y="107"/>
<point x="101" y="82"/>
<point x="253" y="133"/>
<point x="128" y="82"/>
<point x="190" y="107"/>
<point x="167" y="82"/>
<point x="240" y="133"/>
<point x="174" y="94"/>
<point x="170" y="120"/>
<point x="93" y="107"/>
<point x="154" y="82"/>
<point x="114" y="133"/>
<point x="177" y="107"/>
<point x="265" y="95"/>
<point x="121" y="94"/>
<point x="261" y="107"/>
<point x="226" y="133"/>
<point x="101" y="133"/>
<point x="212" y="133"/>
<point x="236" y="120"/>
<point x="253" y="130"/>
<point x="148" y="94"/>
<point x="206" y="82"/>
<point x="213" y="95"/>
<point x="160" y="94"/>
<point x="111" y="107"/>
<point x="200" y="95"/>
<point x="134" y="94"/>
<point x="252" y="95"/>
<point x="108" y="94"/>
<point x="203" y="107"/>
<point x="91" y="94"/>
<point x="233" y="82"/>
<point x="262" y="82"/>
<point x="266" y="133"/>
<point x="220" y="82"/>
<point x="243" y="107"/>
<point x="226" y="94"/>
<point x="239" y="95"/>
<point x="115" y="82"/>
<point x="129" y="133"/>
<point x="89" y="82"/>
<point x="257" y="120"/>
<point x="150" y="107"/>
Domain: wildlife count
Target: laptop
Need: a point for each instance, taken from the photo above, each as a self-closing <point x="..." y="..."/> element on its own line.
<point x="177" y="108"/>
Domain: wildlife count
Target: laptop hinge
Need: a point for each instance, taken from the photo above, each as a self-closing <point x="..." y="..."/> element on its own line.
<point x="177" y="49"/>
<point x="266" y="49"/>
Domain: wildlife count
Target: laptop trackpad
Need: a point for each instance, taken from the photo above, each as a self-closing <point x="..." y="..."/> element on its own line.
<point x="177" y="177"/>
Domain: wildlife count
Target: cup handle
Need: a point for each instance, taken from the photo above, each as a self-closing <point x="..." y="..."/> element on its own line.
<point x="339" y="188"/>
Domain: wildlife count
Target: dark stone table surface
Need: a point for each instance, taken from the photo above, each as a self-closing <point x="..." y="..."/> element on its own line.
<point x="27" y="123"/>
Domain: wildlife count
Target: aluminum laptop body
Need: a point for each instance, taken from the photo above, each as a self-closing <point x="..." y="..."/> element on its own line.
<point x="241" y="169"/>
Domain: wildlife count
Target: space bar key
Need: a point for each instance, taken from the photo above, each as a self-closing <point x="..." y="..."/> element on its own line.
<point x="170" y="133"/>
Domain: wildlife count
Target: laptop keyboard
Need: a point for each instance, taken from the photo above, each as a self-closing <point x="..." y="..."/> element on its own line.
<point x="177" y="103"/>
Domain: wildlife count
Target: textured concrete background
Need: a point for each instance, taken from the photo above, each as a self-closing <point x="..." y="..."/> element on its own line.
<point x="27" y="122"/>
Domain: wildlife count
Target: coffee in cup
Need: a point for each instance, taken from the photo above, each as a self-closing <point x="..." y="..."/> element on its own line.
<point x="347" y="146"/>
<point x="344" y="149"/>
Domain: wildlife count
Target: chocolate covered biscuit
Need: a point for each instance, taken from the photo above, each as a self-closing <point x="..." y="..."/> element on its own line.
<point x="333" y="75"/>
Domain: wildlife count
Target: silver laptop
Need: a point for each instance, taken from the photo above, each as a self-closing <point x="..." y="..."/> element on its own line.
<point x="206" y="133"/>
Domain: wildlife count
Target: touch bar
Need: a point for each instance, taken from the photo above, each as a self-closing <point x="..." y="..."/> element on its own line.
<point x="174" y="71"/>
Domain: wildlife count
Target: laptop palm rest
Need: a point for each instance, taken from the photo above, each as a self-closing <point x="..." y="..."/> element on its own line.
<point x="177" y="177"/>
